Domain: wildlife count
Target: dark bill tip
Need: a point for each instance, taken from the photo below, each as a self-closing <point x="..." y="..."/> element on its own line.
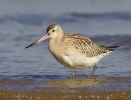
<point x="30" y="45"/>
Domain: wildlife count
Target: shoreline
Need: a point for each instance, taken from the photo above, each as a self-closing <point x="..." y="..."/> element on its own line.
<point x="66" y="89"/>
<point x="33" y="95"/>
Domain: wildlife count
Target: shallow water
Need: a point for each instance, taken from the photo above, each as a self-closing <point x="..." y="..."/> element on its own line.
<point x="28" y="69"/>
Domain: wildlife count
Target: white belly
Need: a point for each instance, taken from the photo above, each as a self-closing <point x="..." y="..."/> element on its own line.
<point x="81" y="61"/>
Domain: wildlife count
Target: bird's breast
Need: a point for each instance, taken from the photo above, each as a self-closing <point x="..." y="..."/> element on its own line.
<point x="71" y="58"/>
<point x="58" y="53"/>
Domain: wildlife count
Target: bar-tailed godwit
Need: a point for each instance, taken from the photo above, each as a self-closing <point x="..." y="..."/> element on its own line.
<point x="73" y="50"/>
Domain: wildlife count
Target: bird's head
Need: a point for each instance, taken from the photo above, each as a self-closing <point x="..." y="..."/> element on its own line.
<point x="52" y="32"/>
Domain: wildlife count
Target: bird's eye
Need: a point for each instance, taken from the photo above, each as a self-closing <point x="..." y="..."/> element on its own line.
<point x="53" y="30"/>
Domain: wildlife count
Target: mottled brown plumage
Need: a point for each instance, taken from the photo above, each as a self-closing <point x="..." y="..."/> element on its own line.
<point x="85" y="45"/>
<point x="73" y="50"/>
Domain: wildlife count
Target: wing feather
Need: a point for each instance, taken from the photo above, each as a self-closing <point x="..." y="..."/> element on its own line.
<point x="86" y="45"/>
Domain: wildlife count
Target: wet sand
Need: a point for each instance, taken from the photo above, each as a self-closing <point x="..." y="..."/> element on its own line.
<point x="30" y="95"/>
<point x="73" y="83"/>
<point x="66" y="89"/>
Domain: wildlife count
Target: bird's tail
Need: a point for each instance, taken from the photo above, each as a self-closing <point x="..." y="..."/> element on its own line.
<point x="109" y="47"/>
<point x="113" y="46"/>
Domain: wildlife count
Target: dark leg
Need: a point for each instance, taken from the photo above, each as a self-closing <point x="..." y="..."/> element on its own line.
<point x="72" y="73"/>
<point x="95" y="67"/>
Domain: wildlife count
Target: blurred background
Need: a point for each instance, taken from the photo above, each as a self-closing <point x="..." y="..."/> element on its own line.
<point x="89" y="17"/>
<point x="106" y="22"/>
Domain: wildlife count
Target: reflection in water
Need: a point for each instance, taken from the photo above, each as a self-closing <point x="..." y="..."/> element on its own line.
<point x="77" y="84"/>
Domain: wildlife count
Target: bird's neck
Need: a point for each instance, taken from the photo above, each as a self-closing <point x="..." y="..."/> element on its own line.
<point x="57" y="39"/>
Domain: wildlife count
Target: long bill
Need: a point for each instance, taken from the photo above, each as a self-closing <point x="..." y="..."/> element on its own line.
<point x="38" y="41"/>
